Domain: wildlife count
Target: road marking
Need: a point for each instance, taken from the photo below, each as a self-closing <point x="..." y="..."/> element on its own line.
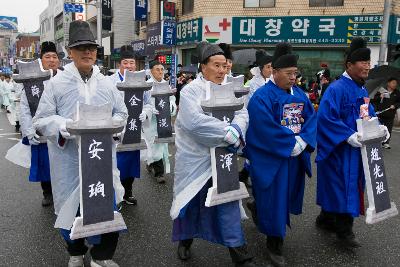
<point x="14" y="139"/>
<point x="4" y="134"/>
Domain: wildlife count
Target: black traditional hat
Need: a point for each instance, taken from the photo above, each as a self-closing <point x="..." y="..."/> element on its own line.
<point x="205" y="50"/>
<point x="80" y="34"/>
<point x="262" y="58"/>
<point x="227" y="50"/>
<point x="47" y="47"/>
<point x="358" y="51"/>
<point x="126" y="51"/>
<point x="154" y="63"/>
<point x="283" y="56"/>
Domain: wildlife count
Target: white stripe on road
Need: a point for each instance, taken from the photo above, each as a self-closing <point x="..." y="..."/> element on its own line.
<point x="4" y="134"/>
<point x="14" y="139"/>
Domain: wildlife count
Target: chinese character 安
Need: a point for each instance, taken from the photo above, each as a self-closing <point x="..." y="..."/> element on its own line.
<point x="94" y="149"/>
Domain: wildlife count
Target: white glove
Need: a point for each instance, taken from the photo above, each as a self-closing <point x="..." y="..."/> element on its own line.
<point x="142" y="116"/>
<point x="299" y="146"/>
<point x="63" y="129"/>
<point x="385" y="129"/>
<point x="354" y="140"/>
<point x="232" y="136"/>
<point x="34" y="139"/>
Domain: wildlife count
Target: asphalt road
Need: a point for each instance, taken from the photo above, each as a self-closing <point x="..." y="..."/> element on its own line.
<point x="27" y="236"/>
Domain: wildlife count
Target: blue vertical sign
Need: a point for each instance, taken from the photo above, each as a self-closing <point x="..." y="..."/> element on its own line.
<point x="168" y="32"/>
<point x="140" y="10"/>
<point x="174" y="59"/>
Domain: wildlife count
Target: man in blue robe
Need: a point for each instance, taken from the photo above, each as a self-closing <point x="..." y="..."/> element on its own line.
<point x="40" y="166"/>
<point x="128" y="162"/>
<point x="280" y="139"/>
<point x="196" y="133"/>
<point x="341" y="181"/>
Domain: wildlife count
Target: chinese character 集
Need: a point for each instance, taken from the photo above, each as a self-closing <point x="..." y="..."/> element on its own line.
<point x="94" y="149"/>
<point x="226" y="161"/>
<point x="132" y="125"/>
<point x="35" y="91"/>
<point x="96" y="189"/>
<point x="133" y="100"/>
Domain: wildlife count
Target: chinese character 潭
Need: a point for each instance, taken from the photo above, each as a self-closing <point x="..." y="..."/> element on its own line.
<point x="300" y="25"/>
<point x="161" y="104"/>
<point x="96" y="189"/>
<point x="273" y="27"/>
<point x="226" y="161"/>
<point x="94" y="149"/>
<point x="249" y="29"/>
<point x="35" y="91"/>
<point x="328" y="27"/>
<point x="163" y="123"/>
<point x="133" y="100"/>
<point x="379" y="188"/>
<point x="377" y="171"/>
<point x="375" y="154"/>
<point x="132" y="125"/>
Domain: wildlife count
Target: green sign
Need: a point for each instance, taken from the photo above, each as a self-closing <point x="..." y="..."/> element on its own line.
<point x="189" y="32"/>
<point x="394" y="30"/>
<point x="306" y="29"/>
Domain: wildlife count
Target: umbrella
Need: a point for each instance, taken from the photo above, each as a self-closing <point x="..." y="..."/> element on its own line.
<point x="384" y="72"/>
<point x="373" y="85"/>
<point x="244" y="56"/>
<point x="189" y="69"/>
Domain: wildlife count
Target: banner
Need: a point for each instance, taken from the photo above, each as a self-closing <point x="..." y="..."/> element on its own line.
<point x="140" y="10"/>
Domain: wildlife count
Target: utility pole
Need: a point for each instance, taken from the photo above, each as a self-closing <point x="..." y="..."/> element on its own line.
<point x="385" y="29"/>
<point x="99" y="18"/>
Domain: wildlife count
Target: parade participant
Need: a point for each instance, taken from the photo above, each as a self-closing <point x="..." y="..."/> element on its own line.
<point x="80" y="82"/>
<point x="387" y="101"/>
<point x="262" y="72"/>
<point x="229" y="59"/>
<point x="40" y="169"/>
<point x="196" y="132"/>
<point x="341" y="181"/>
<point x="7" y="86"/>
<point x="128" y="162"/>
<point x="282" y="112"/>
<point x="157" y="154"/>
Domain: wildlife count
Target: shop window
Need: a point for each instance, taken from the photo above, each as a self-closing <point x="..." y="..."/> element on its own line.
<point x="326" y="3"/>
<point x="187" y="6"/>
<point x="259" y="3"/>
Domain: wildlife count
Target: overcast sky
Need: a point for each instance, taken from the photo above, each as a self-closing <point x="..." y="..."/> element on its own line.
<point x="27" y="12"/>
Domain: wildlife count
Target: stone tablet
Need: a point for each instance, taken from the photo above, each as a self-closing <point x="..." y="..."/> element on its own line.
<point x="238" y="85"/>
<point x="161" y="93"/>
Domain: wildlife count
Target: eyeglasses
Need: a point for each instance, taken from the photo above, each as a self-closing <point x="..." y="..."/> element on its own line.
<point x="83" y="48"/>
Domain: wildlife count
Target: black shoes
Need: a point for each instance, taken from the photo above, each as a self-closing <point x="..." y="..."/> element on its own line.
<point x="348" y="241"/>
<point x="47" y="200"/>
<point x="274" y="251"/>
<point x="130" y="200"/>
<point x="326" y="221"/>
<point x="184" y="249"/>
<point x="244" y="177"/>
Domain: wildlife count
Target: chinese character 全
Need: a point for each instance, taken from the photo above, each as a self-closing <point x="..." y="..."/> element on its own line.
<point x="375" y="154"/>
<point x="226" y="161"/>
<point x="133" y="100"/>
<point x="379" y="188"/>
<point x="94" y="149"/>
<point x="273" y="27"/>
<point x="96" y="189"/>
<point x="132" y="125"/>
<point x="327" y="27"/>
<point x="377" y="171"/>
<point x="300" y="25"/>
<point x="35" y="91"/>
